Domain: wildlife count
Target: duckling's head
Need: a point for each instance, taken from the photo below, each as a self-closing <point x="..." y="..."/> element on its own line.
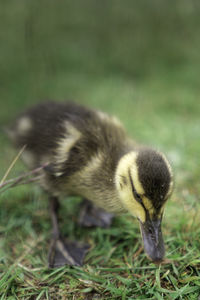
<point x="144" y="182"/>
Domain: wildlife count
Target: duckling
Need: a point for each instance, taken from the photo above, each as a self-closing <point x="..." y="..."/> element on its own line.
<point x="88" y="153"/>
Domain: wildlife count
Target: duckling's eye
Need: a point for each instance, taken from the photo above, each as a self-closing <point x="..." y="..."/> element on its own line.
<point x="137" y="196"/>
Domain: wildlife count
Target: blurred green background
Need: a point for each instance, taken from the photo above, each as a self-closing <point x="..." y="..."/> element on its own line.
<point x="139" y="60"/>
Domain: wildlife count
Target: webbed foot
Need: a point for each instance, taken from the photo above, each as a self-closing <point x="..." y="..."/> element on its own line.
<point x="66" y="253"/>
<point x="92" y="216"/>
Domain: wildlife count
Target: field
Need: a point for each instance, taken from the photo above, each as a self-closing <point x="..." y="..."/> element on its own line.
<point x="141" y="62"/>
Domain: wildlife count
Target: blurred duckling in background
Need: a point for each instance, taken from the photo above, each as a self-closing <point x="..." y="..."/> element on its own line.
<point x="89" y="154"/>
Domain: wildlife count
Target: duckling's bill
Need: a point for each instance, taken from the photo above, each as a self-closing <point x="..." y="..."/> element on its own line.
<point x="153" y="239"/>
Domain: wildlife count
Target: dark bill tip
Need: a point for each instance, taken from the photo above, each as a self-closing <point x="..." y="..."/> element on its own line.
<point x="153" y="240"/>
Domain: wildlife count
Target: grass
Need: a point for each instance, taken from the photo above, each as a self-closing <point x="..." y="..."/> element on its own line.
<point x="139" y="61"/>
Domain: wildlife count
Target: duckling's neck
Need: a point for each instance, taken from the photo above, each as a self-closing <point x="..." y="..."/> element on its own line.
<point x="95" y="182"/>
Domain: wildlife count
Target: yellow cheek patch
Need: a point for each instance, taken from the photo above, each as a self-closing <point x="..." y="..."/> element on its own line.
<point x="131" y="204"/>
<point x="135" y="208"/>
<point x="124" y="188"/>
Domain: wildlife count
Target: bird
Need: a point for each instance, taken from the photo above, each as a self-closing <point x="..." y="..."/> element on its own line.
<point x="88" y="153"/>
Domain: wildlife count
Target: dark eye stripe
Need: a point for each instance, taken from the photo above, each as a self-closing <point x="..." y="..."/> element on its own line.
<point x="136" y="195"/>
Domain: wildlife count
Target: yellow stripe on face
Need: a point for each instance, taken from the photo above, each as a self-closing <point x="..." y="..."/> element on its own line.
<point x="170" y="189"/>
<point x="161" y="211"/>
<point x="149" y="206"/>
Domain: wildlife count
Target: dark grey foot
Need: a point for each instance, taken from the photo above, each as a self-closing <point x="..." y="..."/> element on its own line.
<point x="66" y="253"/>
<point x="92" y="216"/>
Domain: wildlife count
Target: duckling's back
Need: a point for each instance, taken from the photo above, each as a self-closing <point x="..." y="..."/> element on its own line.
<point x="57" y="129"/>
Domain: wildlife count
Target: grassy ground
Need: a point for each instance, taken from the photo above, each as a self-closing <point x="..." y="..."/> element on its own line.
<point x="140" y="61"/>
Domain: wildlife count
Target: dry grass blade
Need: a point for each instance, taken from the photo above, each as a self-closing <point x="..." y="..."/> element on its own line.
<point x="22" y="179"/>
<point x="25" y="178"/>
<point x="12" y="164"/>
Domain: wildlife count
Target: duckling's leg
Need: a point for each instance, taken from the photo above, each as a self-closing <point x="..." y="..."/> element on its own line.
<point x="63" y="252"/>
<point x="92" y="216"/>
